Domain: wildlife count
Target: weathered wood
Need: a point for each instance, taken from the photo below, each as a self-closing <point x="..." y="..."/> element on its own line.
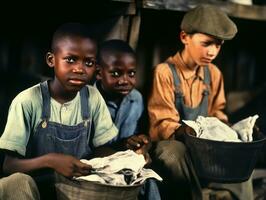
<point x="254" y="12"/>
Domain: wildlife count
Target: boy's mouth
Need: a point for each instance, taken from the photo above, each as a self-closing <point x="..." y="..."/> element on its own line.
<point x="124" y="91"/>
<point x="76" y="81"/>
<point x="126" y="88"/>
<point x="206" y="60"/>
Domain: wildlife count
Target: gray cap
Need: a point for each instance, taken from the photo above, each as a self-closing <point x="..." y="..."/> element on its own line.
<point x="209" y="20"/>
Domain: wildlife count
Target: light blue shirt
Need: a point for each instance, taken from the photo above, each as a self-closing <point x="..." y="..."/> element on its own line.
<point x="25" y="115"/>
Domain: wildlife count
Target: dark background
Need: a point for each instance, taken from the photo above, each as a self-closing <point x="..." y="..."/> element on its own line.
<point x="26" y="31"/>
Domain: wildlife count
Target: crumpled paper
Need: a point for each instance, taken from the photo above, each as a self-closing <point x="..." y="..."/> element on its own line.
<point x="244" y="128"/>
<point x="121" y="168"/>
<point x="214" y="129"/>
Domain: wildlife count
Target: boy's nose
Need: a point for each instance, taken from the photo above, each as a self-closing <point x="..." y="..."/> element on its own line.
<point x="78" y="69"/>
<point x="123" y="80"/>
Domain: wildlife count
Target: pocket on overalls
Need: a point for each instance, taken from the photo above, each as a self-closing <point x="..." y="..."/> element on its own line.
<point x="71" y="141"/>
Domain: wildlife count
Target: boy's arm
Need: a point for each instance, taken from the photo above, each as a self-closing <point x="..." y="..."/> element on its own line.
<point x="218" y="102"/>
<point x="163" y="115"/>
<point x="66" y="165"/>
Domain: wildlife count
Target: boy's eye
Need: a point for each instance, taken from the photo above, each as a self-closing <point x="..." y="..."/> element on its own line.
<point x="90" y="63"/>
<point x="205" y="44"/>
<point x="70" y="59"/>
<point x="115" y="74"/>
<point x="132" y="74"/>
<point x="218" y="46"/>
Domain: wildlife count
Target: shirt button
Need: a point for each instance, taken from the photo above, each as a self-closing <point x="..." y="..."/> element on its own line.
<point x="64" y="109"/>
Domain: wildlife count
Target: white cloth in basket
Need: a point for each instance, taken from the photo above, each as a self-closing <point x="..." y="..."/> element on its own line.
<point x="213" y="129"/>
<point x="121" y="168"/>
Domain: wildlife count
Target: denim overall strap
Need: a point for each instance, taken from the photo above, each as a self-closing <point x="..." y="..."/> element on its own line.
<point x="51" y="136"/>
<point x="178" y="92"/>
<point x="206" y="92"/>
<point x="207" y="76"/>
<point x="84" y="96"/>
<point x="45" y="100"/>
<point x="185" y="112"/>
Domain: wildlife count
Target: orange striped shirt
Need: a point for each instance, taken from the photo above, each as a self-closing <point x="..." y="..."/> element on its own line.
<point x="163" y="116"/>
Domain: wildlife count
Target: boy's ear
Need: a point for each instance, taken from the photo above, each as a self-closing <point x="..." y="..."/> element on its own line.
<point x="183" y="37"/>
<point x="50" y="59"/>
<point x="98" y="72"/>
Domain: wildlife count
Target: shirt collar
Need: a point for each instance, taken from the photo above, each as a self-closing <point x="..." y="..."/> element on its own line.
<point x="187" y="74"/>
<point x="129" y="98"/>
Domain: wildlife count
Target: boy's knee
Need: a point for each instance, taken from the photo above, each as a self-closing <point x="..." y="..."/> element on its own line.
<point x="20" y="178"/>
<point x="23" y="184"/>
<point x="171" y="152"/>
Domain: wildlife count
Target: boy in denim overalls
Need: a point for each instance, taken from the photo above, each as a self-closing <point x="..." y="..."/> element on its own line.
<point x="185" y="86"/>
<point x="116" y="82"/>
<point x="54" y="124"/>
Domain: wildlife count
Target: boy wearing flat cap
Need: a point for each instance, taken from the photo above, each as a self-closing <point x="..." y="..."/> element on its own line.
<point x="185" y="86"/>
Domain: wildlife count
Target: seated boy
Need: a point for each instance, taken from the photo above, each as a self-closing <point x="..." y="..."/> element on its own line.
<point x="116" y="80"/>
<point x="54" y="124"/>
<point x="185" y="86"/>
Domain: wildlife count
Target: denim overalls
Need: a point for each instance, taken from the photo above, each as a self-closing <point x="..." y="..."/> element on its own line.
<point x="185" y="112"/>
<point x="241" y="190"/>
<point x="58" y="138"/>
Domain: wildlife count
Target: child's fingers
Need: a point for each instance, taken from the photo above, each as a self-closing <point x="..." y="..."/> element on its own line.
<point x="141" y="139"/>
<point x="133" y="143"/>
<point x="77" y="174"/>
<point x="83" y="168"/>
<point x="144" y="139"/>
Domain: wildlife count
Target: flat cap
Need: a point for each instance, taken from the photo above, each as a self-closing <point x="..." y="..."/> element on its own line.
<point x="209" y="20"/>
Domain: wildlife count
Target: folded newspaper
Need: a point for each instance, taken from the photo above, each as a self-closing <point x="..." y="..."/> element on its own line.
<point x="120" y="169"/>
<point x="214" y="129"/>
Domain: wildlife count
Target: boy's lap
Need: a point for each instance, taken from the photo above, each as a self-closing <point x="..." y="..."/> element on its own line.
<point x="211" y="194"/>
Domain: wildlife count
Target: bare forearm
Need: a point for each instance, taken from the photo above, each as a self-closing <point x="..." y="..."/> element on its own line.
<point x="13" y="164"/>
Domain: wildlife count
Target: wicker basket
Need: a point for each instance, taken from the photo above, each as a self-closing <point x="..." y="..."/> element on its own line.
<point x="224" y="162"/>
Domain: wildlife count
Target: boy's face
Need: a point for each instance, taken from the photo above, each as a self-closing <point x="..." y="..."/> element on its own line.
<point x="201" y="48"/>
<point x="74" y="62"/>
<point x="118" y="73"/>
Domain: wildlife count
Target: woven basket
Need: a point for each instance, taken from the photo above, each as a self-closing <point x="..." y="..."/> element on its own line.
<point x="225" y="162"/>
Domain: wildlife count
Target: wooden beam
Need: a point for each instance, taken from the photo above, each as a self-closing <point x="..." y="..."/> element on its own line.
<point x="253" y="12"/>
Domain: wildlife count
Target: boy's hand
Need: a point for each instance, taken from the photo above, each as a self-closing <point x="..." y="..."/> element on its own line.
<point x="184" y="129"/>
<point x="68" y="166"/>
<point x="138" y="142"/>
<point x="141" y="145"/>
